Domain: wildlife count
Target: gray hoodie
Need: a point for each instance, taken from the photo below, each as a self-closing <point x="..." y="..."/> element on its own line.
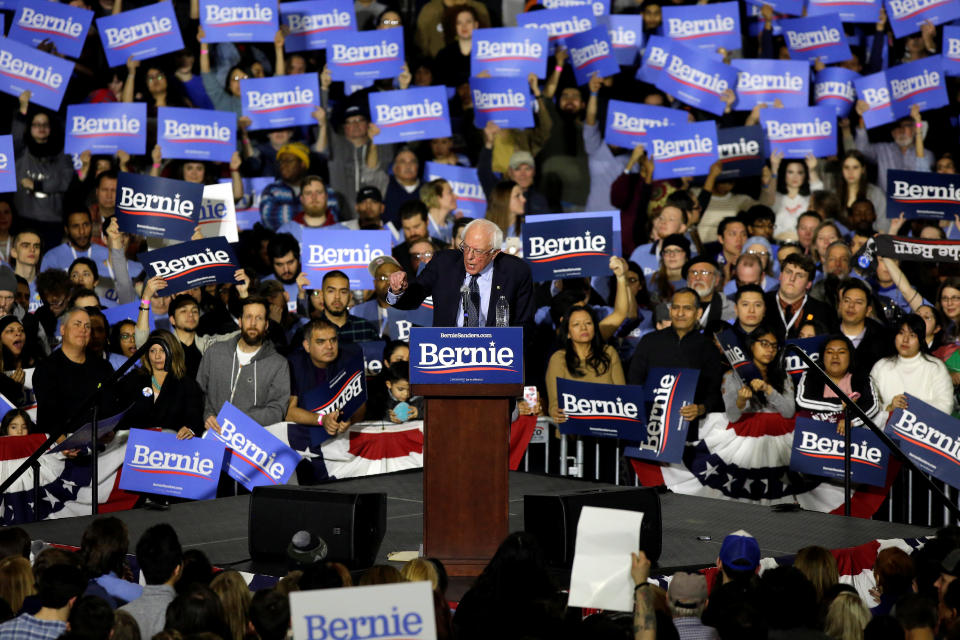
<point x="261" y="389"/>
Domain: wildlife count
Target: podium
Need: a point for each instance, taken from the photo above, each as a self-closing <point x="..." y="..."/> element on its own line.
<point x="466" y="439"/>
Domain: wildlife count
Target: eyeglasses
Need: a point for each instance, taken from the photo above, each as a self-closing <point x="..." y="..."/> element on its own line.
<point x="154" y="77"/>
<point x="703" y="273"/>
<point x="672" y="252"/>
<point x="390" y="23"/>
<point x="633" y="280"/>
<point x="238" y="77"/>
<point x="316" y="292"/>
<point x="126" y="336"/>
<point x="766" y="344"/>
<point x="759" y="253"/>
<point x="949" y="298"/>
<point x="382" y="278"/>
<point x="421" y="256"/>
<point x="474" y="252"/>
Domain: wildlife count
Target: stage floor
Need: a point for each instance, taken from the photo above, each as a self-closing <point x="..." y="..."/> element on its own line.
<point x="693" y="528"/>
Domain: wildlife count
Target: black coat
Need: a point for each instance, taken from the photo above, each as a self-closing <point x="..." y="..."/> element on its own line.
<point x="812" y="310"/>
<point x="664" y="348"/>
<point x="179" y="404"/>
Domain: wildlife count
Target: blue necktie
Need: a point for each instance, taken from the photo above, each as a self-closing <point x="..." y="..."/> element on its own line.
<point x="473" y="309"/>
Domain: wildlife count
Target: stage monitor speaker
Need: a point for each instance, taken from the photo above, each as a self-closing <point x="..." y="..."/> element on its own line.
<point x="351" y="524"/>
<point x="553" y="519"/>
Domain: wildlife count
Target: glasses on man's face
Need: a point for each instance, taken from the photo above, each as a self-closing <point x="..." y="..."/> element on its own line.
<point x="766" y="344"/>
<point x="701" y="273"/>
<point x="382" y="278"/>
<point x="390" y="23"/>
<point x="473" y="252"/>
<point x="422" y="255"/>
<point x="153" y="77"/>
<point x="761" y="253"/>
<point x="239" y="77"/>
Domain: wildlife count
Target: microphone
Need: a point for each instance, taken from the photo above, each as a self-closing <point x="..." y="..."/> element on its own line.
<point x="465" y="300"/>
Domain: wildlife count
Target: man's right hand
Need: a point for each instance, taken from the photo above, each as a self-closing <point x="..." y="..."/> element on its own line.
<point x="398" y="282"/>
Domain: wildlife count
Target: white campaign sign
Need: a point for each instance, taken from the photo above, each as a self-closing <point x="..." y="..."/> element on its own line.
<point x="601" y="560"/>
<point x="218" y="214"/>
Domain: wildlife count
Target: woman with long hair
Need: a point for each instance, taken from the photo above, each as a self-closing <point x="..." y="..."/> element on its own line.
<point x="235" y="597"/>
<point x="948" y="303"/>
<point x="154" y="87"/>
<point x="826" y="233"/>
<point x="441" y="204"/>
<point x="103" y="553"/>
<point x="819" y="402"/>
<point x="123" y="339"/>
<point x="16" y="581"/>
<point x="853" y="184"/>
<point x="15" y="357"/>
<point x="674" y="253"/>
<point x="505" y="209"/>
<point x="770" y="391"/>
<point x="452" y="64"/>
<point x="847" y="617"/>
<point x="786" y="189"/>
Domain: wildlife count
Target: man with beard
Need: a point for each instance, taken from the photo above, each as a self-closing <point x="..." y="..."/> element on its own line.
<point x="703" y="276"/>
<point x="399" y="188"/>
<point x="284" y="253"/>
<point x="316" y="212"/>
<point x="336" y="296"/>
<point x="246" y="371"/>
<point x="906" y="152"/>
<point x="564" y="171"/>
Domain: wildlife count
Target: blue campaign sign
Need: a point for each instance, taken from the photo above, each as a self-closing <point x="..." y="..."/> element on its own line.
<point x="697" y="80"/>
<point x="818" y="450"/>
<point x="196" y="263"/>
<point x="8" y="170"/>
<point x="345" y="390"/>
<point x="143" y="33"/>
<point x="929" y="437"/>
<point x="592" y="52"/>
<point x="865" y="11"/>
<point x="733" y="351"/>
<point x="311" y="22"/>
<point x="466" y="185"/>
<point x="784" y="7"/>
<point x="683" y="151"/>
<point x="365" y="55"/>
<point x="106" y="127"/>
<point x="280" y="101"/>
<point x="626" y="35"/>
<point x="704" y="26"/>
<point x="656" y="53"/>
<point x="599" y="7"/>
<point x="509" y="52"/>
<point x="873" y="90"/>
<point x="907" y="16"/>
<point x="601" y="410"/>
<point x="157" y="207"/>
<point x="573" y="248"/>
<point x="506" y="101"/>
<point x="128" y="311"/>
<point x="666" y="391"/>
<point x="373" y="356"/>
<point x="834" y="87"/>
<point x="323" y="250"/>
<point x="920" y="82"/>
<point x="249" y="214"/>
<point x="922" y="194"/>
<point x="560" y="23"/>
<point x="462" y="355"/>
<point x="792" y="362"/>
<point x="238" y="20"/>
<point x="196" y="134"/>
<point x="254" y="456"/>
<point x="62" y="24"/>
<point x="816" y="37"/>
<point x="768" y="80"/>
<point x="951" y="50"/>
<point x="23" y="68"/>
<point x="742" y="151"/>
<point x="799" y="132"/>
<point x="612" y="216"/>
<point x="410" y="114"/>
<point x="157" y="462"/>
<point x="630" y="123"/>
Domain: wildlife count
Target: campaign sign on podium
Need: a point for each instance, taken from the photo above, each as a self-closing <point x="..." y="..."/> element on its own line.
<point x="466" y="355"/>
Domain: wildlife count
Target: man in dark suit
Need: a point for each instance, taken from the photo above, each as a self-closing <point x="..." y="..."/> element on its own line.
<point x="467" y="283"/>
<point x="789" y="306"/>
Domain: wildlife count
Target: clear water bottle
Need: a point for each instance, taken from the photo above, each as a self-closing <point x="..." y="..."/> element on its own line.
<point x="503" y="312"/>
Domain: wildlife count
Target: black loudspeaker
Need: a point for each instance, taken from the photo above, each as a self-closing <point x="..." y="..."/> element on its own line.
<point x="351" y="524"/>
<point x="553" y="519"/>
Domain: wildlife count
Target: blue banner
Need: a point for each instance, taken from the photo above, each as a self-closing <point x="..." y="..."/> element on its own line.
<point x="818" y="450"/>
<point x="792" y="362"/>
<point x="783" y="7"/>
<point x="863" y="11"/>
<point x="816" y="37"/>
<point x="919" y="82"/>
<point x="106" y="127"/>
<point x="128" y="311"/>
<point x="323" y="250"/>
<point x="559" y="24"/>
<point x="373" y="356"/>
<point x="742" y="150"/>
<point x="626" y="36"/>
<point x="630" y="123"/>
<point x="64" y="25"/>
<point x="465" y="182"/>
<point x="8" y="171"/>
<point x="798" y="132"/>
<point x="683" y="151"/>
<point x="696" y="79"/>
<point x="506" y="101"/>
<point x="574" y="248"/>
<point x="462" y="355"/>
<point x="666" y="391"/>
<point x="599" y="7"/>
<point x="196" y="134"/>
<point x="196" y="263"/>
<point x="601" y="410"/>
<point x="238" y="20"/>
<point x="509" y="52"/>
<point x="951" y="50"/>
<point x="157" y="462"/>
<point x="906" y="16"/>
<point x="834" y="87"/>
<point x="143" y="33"/>
<point x="157" y="207"/>
<point x="656" y="53"/>
<point x="922" y="194"/>
<point x="930" y="438"/>
<point x="612" y="216"/>
<point x="733" y="351"/>
<point x="345" y="391"/>
<point x="592" y="52"/>
<point x="365" y="55"/>
<point x="311" y="22"/>
<point x="410" y="114"/>
<point x="280" y="101"/>
<point x="704" y="26"/>
<point x="873" y="90"/>
<point x="249" y="214"/>
<point x="23" y="68"/>
<point x="766" y="80"/>
<point x="254" y="456"/>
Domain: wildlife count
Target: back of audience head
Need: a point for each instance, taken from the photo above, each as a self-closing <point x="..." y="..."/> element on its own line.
<point x="380" y="574"/>
<point x="270" y="614"/>
<point x="16" y="581"/>
<point x="103" y="547"/>
<point x="234" y="596"/>
<point x="59" y="585"/>
<point x="820" y="568"/>
<point x="14" y="541"/>
<point x="159" y="555"/>
<point x="420" y="570"/>
<point x="91" y="618"/>
<point x="124" y="626"/>
<point x="847" y="617"/>
<point x="197" y="610"/>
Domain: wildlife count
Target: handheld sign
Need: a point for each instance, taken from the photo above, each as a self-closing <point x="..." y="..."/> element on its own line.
<point x="744" y="367"/>
<point x="310" y="22"/>
<point x="248" y="214"/>
<point x="769" y="80"/>
<point x="365" y="55"/>
<point x="742" y="151"/>
<point x="834" y="87"/>
<point x="192" y="264"/>
<point x="218" y="215"/>
<point x="461" y="355"/>
<point x="280" y="101"/>
<point x="873" y="90"/>
<point x="792" y="362"/>
<point x="591" y="52"/>
<point x="922" y="194"/>
<point x="629" y="123"/>
<point x="8" y="171"/>
<point x="157" y="462"/>
<point x="254" y="456"/>
<point x="866" y="11"/>
<point x="157" y="207"/>
<point x="410" y="114"/>
<point x="626" y="35"/>
<point x="697" y="80"/>
<point x="323" y="250"/>
<point x="601" y="410"/>
<point x="907" y="16"/>
<point x="655" y="57"/>
<point x="128" y="311"/>
<point x="783" y="7"/>
<point x="818" y="450"/>
<point x="683" y="151"/>
<point x="951" y="50"/>
<point x="613" y="216"/>
<point x="509" y="52"/>
<point x="666" y="391"/>
<point x="106" y="128"/>
<point x="238" y="20"/>
<point x="704" y="26"/>
<point x="919" y="82"/>
<point x="196" y="134"/>
<point x="799" y="132"/>
<point x="466" y="186"/>
<point x="559" y="24"/>
<point x="345" y="390"/>
<point x="143" y="33"/>
<point x="929" y="437"/>
<point x="600" y="8"/>
<point x="816" y="37"/>
<point x="506" y="101"/>
<point x="575" y="248"/>
<point x="62" y="24"/>
<point x="23" y="68"/>
<point x="918" y="249"/>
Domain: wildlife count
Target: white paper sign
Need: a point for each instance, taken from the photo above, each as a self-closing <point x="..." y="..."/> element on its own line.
<point x="601" y="561"/>
<point x="30" y="403"/>
<point x="218" y="215"/>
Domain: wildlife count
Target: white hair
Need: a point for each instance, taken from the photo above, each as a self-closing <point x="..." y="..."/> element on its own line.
<point x="494" y="232"/>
